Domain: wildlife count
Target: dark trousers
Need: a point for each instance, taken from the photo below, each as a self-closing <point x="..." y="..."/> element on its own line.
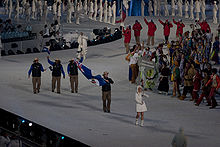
<point x="187" y="89"/>
<point x="212" y="96"/>
<point x="74" y="83"/>
<point x="106" y="95"/>
<point x="201" y="98"/>
<point x="166" y="39"/>
<point x="134" y="74"/>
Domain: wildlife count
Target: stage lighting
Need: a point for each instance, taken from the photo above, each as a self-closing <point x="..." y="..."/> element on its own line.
<point x="23" y="121"/>
<point x="30" y="124"/>
<point x="62" y="137"/>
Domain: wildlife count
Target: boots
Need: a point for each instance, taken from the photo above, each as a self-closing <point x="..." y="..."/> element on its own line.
<point x="136" y="122"/>
<point x="182" y="97"/>
<point x="142" y="123"/>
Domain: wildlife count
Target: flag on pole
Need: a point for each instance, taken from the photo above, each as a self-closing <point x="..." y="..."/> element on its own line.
<point x="94" y="79"/>
<point x="123" y="14"/>
<point x="46" y="49"/>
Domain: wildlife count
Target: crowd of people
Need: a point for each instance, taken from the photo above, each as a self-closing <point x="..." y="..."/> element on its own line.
<point x="8" y="30"/>
<point x="188" y="62"/>
<point x="9" y="141"/>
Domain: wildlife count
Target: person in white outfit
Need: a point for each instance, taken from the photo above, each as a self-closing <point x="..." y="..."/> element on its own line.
<point x="180" y="7"/>
<point x="142" y="7"/>
<point x="95" y="10"/>
<point x="114" y="12"/>
<point x="59" y="3"/>
<point x="191" y="10"/>
<point x="155" y="8"/>
<point x="77" y="13"/>
<point x="27" y="11"/>
<point x="82" y="48"/>
<point x="203" y="9"/>
<point x="10" y="9"/>
<point x="45" y="12"/>
<point x="85" y="7"/>
<point x="215" y="10"/>
<point x="55" y="10"/>
<point x="17" y="10"/>
<point x="173" y="7"/>
<point x="6" y="6"/>
<point x="69" y="12"/>
<point x="150" y="8"/>
<point x="197" y="9"/>
<point x="33" y="9"/>
<point x="91" y="10"/>
<point x="186" y="9"/>
<point x="140" y="105"/>
<point x="166" y="11"/>
<point x="105" y="11"/>
<point x="109" y="12"/>
<point x="100" y="11"/>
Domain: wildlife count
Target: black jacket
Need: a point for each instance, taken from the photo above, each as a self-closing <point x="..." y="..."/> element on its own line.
<point x="36" y="69"/>
<point x="107" y="86"/>
<point x="72" y="69"/>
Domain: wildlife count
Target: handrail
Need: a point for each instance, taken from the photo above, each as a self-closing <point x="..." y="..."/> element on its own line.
<point x="23" y="139"/>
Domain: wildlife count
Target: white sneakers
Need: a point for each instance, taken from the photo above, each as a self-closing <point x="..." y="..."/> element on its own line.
<point x="136" y="122"/>
<point x="142" y="123"/>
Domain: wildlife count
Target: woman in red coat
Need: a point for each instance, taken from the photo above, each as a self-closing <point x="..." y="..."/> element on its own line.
<point x="127" y="38"/>
<point x="204" y="26"/>
<point x="151" y="30"/>
<point x="166" y="29"/>
<point x="137" y="31"/>
<point x="196" y="85"/>
<point x="180" y="26"/>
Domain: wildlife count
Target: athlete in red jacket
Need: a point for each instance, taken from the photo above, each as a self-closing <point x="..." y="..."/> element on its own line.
<point x="180" y="26"/>
<point x="127" y="38"/>
<point x="137" y="31"/>
<point x="166" y="27"/>
<point x="204" y="26"/>
<point x="215" y="85"/>
<point x="151" y="30"/>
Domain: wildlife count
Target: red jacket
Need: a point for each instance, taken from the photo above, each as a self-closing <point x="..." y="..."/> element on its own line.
<point x="197" y="82"/>
<point x="151" y="27"/>
<point x="166" y="28"/>
<point x="137" y="29"/>
<point x="204" y="26"/>
<point x="217" y="80"/>
<point x="127" y="35"/>
<point x="180" y="27"/>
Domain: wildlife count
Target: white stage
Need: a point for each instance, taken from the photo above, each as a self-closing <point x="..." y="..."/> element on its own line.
<point x="80" y="116"/>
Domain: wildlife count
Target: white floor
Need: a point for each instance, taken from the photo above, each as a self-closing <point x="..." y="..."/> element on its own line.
<point x="80" y="116"/>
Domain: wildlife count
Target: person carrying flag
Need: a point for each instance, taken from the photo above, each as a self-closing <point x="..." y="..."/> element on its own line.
<point x="72" y="71"/>
<point x="137" y="31"/>
<point x="36" y="69"/>
<point x="151" y="31"/>
<point x="57" y="69"/>
<point x="106" y="92"/>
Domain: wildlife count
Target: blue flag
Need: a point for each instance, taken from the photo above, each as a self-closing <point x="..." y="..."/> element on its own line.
<point x="46" y="49"/>
<point x="94" y="79"/>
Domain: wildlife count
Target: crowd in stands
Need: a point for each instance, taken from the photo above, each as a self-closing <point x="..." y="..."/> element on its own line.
<point x="8" y="30"/>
